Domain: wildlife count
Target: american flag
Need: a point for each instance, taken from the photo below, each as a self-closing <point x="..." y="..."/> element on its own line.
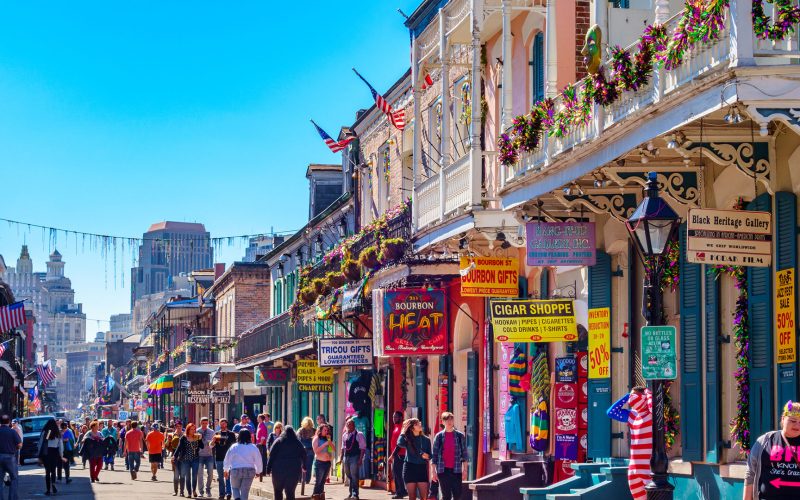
<point x="46" y="374"/>
<point x="37" y="404"/>
<point x="3" y="347"/>
<point x="396" y="117"/>
<point x="12" y="316"/>
<point x="334" y="146"/>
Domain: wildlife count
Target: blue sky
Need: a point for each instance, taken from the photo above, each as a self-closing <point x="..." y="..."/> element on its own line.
<point x="116" y="115"/>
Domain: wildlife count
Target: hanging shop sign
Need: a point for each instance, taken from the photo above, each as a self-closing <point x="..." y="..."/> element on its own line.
<point x="197" y="397"/>
<point x="270" y="377"/>
<point x="414" y="322"/>
<point x="784" y="319"/>
<point x="489" y="276"/>
<point x="345" y="352"/>
<point x="659" y="360"/>
<point x="560" y="244"/>
<point x="185" y="384"/>
<point x="599" y="343"/>
<point x="122" y="415"/>
<point x="534" y="320"/>
<point x="733" y="237"/>
<point x="313" y="378"/>
<point x="220" y="397"/>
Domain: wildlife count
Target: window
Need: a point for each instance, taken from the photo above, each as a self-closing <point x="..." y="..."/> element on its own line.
<point x="537" y="67"/>
<point x="432" y="137"/>
<point x="383" y="173"/>
<point x="463" y="116"/>
<point x="622" y="4"/>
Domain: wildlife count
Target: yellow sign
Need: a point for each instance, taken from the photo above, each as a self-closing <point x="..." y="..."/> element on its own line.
<point x="600" y="343"/>
<point x="489" y="276"/>
<point x="313" y="378"/>
<point x="534" y="320"/>
<point x="784" y="320"/>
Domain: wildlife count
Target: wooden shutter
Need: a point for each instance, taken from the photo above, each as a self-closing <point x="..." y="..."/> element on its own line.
<point x="537" y="67"/>
<point x="472" y="412"/>
<point x="786" y="258"/>
<point x="759" y="290"/>
<point x="712" y="386"/>
<point x="599" y="397"/>
<point x="691" y="300"/>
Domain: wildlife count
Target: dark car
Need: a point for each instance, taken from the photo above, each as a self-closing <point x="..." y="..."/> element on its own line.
<point x="31" y="433"/>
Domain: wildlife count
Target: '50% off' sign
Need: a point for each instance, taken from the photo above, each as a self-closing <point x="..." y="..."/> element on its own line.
<point x="600" y="343"/>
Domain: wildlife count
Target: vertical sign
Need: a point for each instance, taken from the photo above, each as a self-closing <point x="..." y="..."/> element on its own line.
<point x="600" y="343"/>
<point x="784" y="320"/>
<point x="506" y="353"/>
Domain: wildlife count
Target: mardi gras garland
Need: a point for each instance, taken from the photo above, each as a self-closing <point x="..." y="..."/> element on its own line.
<point x="787" y="15"/>
<point x="628" y="72"/>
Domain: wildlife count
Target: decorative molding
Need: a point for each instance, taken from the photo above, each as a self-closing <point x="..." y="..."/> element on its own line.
<point x="683" y="184"/>
<point x="750" y="158"/>
<point x="788" y="116"/>
<point x="618" y="203"/>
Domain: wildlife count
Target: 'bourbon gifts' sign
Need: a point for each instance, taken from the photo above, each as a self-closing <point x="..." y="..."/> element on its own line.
<point x="414" y="322"/>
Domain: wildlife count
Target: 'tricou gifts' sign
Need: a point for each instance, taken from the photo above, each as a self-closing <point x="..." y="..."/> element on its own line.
<point x="414" y="322"/>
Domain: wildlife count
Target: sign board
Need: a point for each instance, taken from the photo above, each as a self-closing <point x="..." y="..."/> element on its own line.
<point x="270" y="377"/>
<point x="534" y="320"/>
<point x="414" y="322"/>
<point x="599" y="343"/>
<point x="28" y="384"/>
<point x="313" y="378"/>
<point x="566" y="370"/>
<point x="659" y="360"/>
<point x="185" y="384"/>
<point x="784" y="316"/>
<point x="123" y="415"/>
<point x="197" y="397"/>
<point x="732" y="237"/>
<point x="560" y="244"/>
<point x="344" y="352"/>
<point x="489" y="276"/>
<point x="221" y="397"/>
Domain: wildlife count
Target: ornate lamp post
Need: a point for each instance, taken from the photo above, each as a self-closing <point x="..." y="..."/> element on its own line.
<point x="652" y="226"/>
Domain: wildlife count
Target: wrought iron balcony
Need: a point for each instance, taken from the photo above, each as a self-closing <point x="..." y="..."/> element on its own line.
<point x="270" y="335"/>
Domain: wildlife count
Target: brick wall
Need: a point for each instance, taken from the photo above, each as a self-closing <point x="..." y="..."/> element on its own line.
<point x="582" y="20"/>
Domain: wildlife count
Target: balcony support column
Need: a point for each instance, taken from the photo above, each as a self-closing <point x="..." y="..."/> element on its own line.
<point x="506" y="96"/>
<point x="476" y="121"/>
<point x="741" y="33"/>
<point x="444" y="55"/>
<point x="551" y="42"/>
<point x="416" y="152"/>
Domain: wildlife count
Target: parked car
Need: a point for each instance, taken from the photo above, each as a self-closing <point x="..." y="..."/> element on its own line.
<point x="31" y="434"/>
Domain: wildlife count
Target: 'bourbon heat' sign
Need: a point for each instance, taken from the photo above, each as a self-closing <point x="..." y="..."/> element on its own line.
<point x="414" y="322"/>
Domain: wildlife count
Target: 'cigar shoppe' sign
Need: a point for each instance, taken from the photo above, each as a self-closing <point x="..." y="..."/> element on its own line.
<point x="534" y="320"/>
<point x="414" y="322"/>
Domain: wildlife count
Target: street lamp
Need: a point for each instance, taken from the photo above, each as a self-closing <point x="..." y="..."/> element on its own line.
<point x="652" y="226"/>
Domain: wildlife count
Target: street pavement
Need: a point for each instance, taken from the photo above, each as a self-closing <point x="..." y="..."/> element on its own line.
<point x="118" y="485"/>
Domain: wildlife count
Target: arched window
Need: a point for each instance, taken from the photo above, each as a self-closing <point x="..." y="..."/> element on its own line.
<point x="537" y="67"/>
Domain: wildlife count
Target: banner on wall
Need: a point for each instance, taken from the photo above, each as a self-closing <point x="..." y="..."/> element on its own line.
<point x="313" y="378"/>
<point x="270" y="377"/>
<point x="785" y="316"/>
<point x="489" y="276"/>
<point x="534" y="320"/>
<point x="414" y="322"/>
<point x="344" y="352"/>
<point x="599" y="343"/>
<point x="560" y="244"/>
<point x="732" y="237"/>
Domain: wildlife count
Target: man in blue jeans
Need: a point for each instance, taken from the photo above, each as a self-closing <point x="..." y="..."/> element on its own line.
<point x="223" y="440"/>
<point x="354" y="446"/>
<point x="207" y="461"/>
<point x="10" y="443"/>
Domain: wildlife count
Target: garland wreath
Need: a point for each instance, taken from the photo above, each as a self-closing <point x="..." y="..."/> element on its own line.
<point x="787" y="16"/>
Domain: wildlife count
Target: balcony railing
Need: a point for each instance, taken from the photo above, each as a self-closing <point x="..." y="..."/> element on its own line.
<point x="160" y="368"/>
<point x="456" y="191"/>
<point x="277" y="332"/>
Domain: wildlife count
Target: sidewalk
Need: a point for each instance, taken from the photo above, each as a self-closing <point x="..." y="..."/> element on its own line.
<point x="335" y="490"/>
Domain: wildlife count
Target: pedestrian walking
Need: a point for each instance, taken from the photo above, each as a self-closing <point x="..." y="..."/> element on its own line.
<point x="10" y="444"/>
<point x="188" y="455"/>
<point x="244" y="423"/>
<point x="285" y="464"/>
<point x="111" y="436"/>
<point x="306" y="437"/>
<point x="277" y="429"/>
<point x="241" y="463"/>
<point x="134" y="447"/>
<point x="449" y="455"/>
<point x="418" y="453"/>
<point x="772" y="457"/>
<point x="397" y="456"/>
<point x="155" y="450"/>
<point x="84" y="431"/>
<point x="51" y="454"/>
<point x="223" y="440"/>
<point x="324" y="450"/>
<point x="122" y="433"/>
<point x="68" y="439"/>
<point x="206" y="457"/>
<point x="262" y="433"/>
<point x="351" y="454"/>
<point x="171" y="444"/>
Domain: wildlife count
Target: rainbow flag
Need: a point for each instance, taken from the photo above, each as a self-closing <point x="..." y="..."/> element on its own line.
<point x="162" y="385"/>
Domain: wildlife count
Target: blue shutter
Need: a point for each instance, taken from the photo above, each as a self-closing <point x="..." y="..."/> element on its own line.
<point x="544" y="283"/>
<point x="472" y="412"/>
<point x="537" y="67"/>
<point x="786" y="258"/>
<point x="599" y="445"/>
<point x="713" y="402"/>
<point x="691" y="301"/>
<point x="759" y="290"/>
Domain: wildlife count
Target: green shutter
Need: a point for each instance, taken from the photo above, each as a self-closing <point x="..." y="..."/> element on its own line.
<point x="544" y="284"/>
<point x="599" y="397"/>
<point x="786" y="258"/>
<point x="314" y="405"/>
<point x="295" y="404"/>
<point x="421" y="389"/>
<point x="712" y="387"/>
<point x="472" y="412"/>
<point x="759" y="290"/>
<point x="691" y="380"/>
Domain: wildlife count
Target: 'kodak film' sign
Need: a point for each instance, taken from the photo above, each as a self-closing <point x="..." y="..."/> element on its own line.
<point x="534" y="320"/>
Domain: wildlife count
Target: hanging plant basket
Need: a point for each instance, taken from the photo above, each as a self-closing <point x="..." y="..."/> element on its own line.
<point x="308" y="295"/>
<point x="351" y="270"/>
<point x="320" y="286"/>
<point x="392" y="249"/>
<point x="369" y="258"/>
<point x="335" y="279"/>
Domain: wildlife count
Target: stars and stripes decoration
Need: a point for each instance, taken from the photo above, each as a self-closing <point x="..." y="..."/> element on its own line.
<point x="37" y="404"/>
<point x="12" y="316"/>
<point x="3" y="347"/>
<point x="396" y="117"/>
<point x="334" y="146"/>
<point x="46" y="374"/>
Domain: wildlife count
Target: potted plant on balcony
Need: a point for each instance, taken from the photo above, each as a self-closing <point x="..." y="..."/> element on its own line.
<point x="320" y="286"/>
<point x="308" y="295"/>
<point x="392" y="249"/>
<point x="351" y="270"/>
<point x="335" y="279"/>
<point x="369" y="257"/>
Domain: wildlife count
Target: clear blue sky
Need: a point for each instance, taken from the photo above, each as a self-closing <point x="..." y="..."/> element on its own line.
<point x="114" y="115"/>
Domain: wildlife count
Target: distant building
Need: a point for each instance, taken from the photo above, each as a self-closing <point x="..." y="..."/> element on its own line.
<point x="260" y="246"/>
<point x="147" y="305"/>
<point x="82" y="360"/>
<point x="121" y="324"/>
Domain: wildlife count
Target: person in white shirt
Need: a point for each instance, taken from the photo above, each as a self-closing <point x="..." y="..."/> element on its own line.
<point x="241" y="464"/>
